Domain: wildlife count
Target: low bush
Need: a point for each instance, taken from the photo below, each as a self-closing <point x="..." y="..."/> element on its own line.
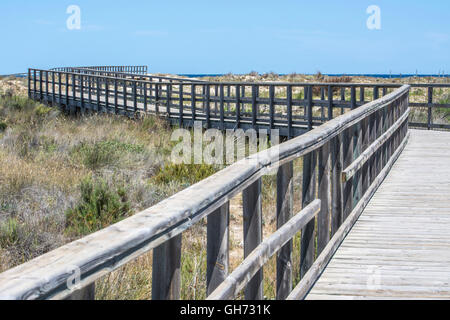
<point x="100" y="206"/>
<point x="184" y="173"/>
<point x="9" y="233"/>
<point x="3" y="126"/>
<point x="100" y="154"/>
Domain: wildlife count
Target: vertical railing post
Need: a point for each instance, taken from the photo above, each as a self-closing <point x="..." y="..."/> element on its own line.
<point x="29" y="83"/>
<point x="310" y="105"/>
<point x="67" y="92"/>
<point x="157" y="90"/>
<point x="90" y="91"/>
<point x="87" y="293"/>
<point x="81" y="93"/>
<point x="74" y="94"/>
<point x="217" y="255"/>
<point x="146" y="98"/>
<point x="99" y="94"/>
<point x="336" y="181"/>
<point x="308" y="195"/>
<point x="193" y="102"/>
<point x="166" y="273"/>
<point x="207" y="105"/>
<point x="252" y="207"/>
<point x="271" y="106"/>
<point x="347" y="186"/>
<point x="125" y="96"/>
<point x="430" y="106"/>
<point x="353" y="97"/>
<point x="169" y="98"/>
<point x="59" y="89"/>
<point x="238" y="107"/>
<point x="181" y="105"/>
<point x="324" y="186"/>
<point x="330" y="102"/>
<point x="135" y="104"/>
<point x="116" y="96"/>
<point x="46" y="86"/>
<point x="40" y="86"/>
<point x="357" y="181"/>
<point x="222" y="107"/>
<point x="254" y="106"/>
<point x="285" y="198"/>
<point x="34" y="84"/>
<point x="53" y="88"/>
<point x="289" y="111"/>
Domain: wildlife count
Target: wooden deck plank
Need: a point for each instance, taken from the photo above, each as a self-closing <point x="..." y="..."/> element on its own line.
<point x="400" y="246"/>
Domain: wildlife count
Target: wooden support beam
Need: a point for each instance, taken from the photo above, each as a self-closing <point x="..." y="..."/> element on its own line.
<point x="217" y="255"/>
<point x="308" y="195"/>
<point x="285" y="204"/>
<point x="324" y="186"/>
<point x="166" y="283"/>
<point x="252" y="205"/>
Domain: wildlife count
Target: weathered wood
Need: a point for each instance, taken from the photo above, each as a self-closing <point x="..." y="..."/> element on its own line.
<point x="217" y="256"/>
<point x="347" y="186"/>
<point x="309" y="107"/>
<point x="239" y="278"/>
<point x="319" y="265"/>
<point x="289" y="111"/>
<point x="357" y="179"/>
<point x="87" y="293"/>
<point x="308" y="195"/>
<point x="324" y="191"/>
<point x="430" y="106"/>
<point x="252" y="215"/>
<point x="112" y="247"/>
<point x="368" y="153"/>
<point x="166" y="277"/>
<point x="285" y="203"/>
<point x="336" y="172"/>
<point x="402" y="236"/>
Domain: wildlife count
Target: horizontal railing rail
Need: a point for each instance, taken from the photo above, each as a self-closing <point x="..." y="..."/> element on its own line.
<point x="127" y="69"/>
<point x="147" y="77"/>
<point x="326" y="151"/>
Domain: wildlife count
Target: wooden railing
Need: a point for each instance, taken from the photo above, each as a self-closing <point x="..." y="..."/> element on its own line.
<point x="293" y="108"/>
<point x="127" y="69"/>
<point x="344" y="162"/>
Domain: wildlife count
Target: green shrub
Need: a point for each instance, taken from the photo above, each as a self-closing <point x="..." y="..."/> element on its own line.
<point x="100" y="206"/>
<point x="3" y="126"/>
<point x="103" y="153"/>
<point x="42" y="110"/>
<point x="184" y="173"/>
<point x="17" y="102"/>
<point x="9" y="233"/>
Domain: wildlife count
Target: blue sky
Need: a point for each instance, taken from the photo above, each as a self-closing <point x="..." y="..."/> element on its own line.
<point x="210" y="36"/>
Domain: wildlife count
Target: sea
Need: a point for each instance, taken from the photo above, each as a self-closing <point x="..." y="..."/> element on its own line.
<point x="386" y="76"/>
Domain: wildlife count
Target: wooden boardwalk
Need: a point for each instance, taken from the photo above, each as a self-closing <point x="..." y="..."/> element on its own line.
<point x="400" y="246"/>
<point x="375" y="220"/>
